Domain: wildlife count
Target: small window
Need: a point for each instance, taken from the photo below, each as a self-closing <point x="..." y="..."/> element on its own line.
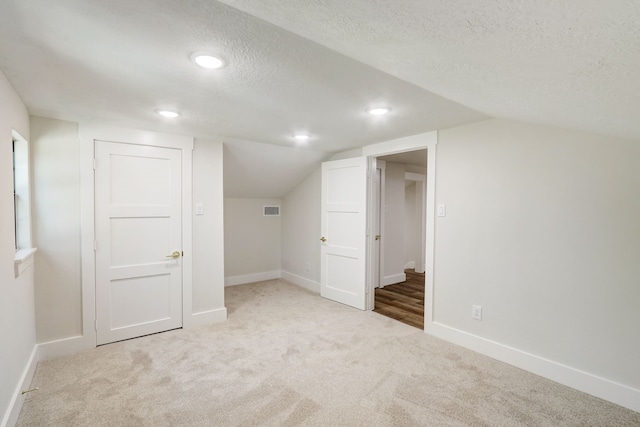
<point x="21" y="203"/>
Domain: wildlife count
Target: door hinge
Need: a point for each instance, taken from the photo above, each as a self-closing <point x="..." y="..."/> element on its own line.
<point x="94" y="164"/>
<point x="95" y="324"/>
<point x="95" y="245"/>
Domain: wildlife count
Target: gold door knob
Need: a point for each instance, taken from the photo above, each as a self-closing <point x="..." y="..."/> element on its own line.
<point x="324" y="239"/>
<point x="175" y="254"/>
<point x="377" y="237"/>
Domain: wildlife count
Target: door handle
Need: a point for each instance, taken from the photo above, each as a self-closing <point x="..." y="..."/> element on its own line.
<point x="175" y="254"/>
<point x="323" y="239"/>
<point x="377" y="237"/>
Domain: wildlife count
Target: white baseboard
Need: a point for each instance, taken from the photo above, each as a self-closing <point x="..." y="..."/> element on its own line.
<point x="52" y="349"/>
<point x="390" y="280"/>
<point x="251" y="278"/>
<point x="411" y="265"/>
<point x="611" y="391"/>
<point x="15" y="405"/>
<point x="207" y="317"/>
<point x="303" y="282"/>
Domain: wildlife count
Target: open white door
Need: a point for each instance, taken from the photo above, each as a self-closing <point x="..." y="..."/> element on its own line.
<point x="344" y="231"/>
<point x="138" y="197"/>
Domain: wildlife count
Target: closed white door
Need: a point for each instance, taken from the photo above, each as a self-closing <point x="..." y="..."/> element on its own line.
<point x="344" y="231"/>
<point x="138" y="240"/>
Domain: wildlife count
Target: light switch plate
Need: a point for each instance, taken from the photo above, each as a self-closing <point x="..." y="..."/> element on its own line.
<point x="442" y="210"/>
<point x="199" y="209"/>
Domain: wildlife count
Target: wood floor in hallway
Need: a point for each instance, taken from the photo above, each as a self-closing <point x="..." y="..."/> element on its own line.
<point x="403" y="301"/>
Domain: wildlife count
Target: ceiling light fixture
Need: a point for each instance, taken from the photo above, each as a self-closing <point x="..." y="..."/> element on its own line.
<point x="168" y="114"/>
<point x="207" y="60"/>
<point x="301" y="137"/>
<point x="378" y="111"/>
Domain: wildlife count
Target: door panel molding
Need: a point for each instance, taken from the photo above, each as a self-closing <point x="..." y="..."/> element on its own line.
<point x="343" y="252"/>
<point x="88" y="133"/>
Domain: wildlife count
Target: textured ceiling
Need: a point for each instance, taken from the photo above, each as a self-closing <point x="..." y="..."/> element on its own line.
<point x="572" y="64"/>
<point x="120" y="60"/>
<point x="316" y="65"/>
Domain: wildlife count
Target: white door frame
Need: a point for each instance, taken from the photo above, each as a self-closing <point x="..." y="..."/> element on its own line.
<point x="87" y="135"/>
<point x="379" y="188"/>
<point x="426" y="141"/>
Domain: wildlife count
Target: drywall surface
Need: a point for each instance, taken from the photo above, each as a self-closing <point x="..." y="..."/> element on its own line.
<point x="17" y="316"/>
<point x="301" y="229"/>
<point x="251" y="240"/>
<point x="56" y="224"/>
<point x="542" y="231"/>
<point x="208" y="228"/>
<point x="412" y="227"/>
<point x="393" y="216"/>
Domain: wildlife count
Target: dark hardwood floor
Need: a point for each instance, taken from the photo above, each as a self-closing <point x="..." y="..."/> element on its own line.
<point x="403" y="301"/>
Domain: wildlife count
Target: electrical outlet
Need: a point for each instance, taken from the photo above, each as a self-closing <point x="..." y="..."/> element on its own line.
<point x="476" y="312"/>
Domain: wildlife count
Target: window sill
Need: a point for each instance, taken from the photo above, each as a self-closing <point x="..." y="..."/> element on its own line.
<point x="23" y="260"/>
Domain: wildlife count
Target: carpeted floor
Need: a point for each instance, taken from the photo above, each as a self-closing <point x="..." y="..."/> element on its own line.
<point x="288" y="357"/>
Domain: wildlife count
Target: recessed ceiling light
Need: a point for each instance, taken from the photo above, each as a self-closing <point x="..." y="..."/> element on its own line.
<point x="301" y="137"/>
<point x="206" y="60"/>
<point x="378" y="111"/>
<point x="168" y="114"/>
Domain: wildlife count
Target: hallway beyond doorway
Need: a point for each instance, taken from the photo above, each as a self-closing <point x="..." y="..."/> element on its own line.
<point x="403" y="301"/>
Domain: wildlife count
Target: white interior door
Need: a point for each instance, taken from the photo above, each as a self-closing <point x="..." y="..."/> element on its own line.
<point x="344" y="231"/>
<point x="138" y="240"/>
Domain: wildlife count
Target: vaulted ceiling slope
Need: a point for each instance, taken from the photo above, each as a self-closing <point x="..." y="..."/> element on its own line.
<point x="120" y="60"/>
<point x="315" y="66"/>
<point x="571" y="64"/>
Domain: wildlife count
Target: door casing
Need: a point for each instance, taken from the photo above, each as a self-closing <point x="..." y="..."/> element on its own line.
<point x="87" y="135"/>
<point x="426" y="141"/>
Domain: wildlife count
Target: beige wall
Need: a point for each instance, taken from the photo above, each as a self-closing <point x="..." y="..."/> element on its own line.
<point x="412" y="226"/>
<point x="17" y="315"/>
<point x="56" y="215"/>
<point x="301" y="232"/>
<point x="542" y="231"/>
<point x="393" y="216"/>
<point x="252" y="242"/>
<point x="208" y="229"/>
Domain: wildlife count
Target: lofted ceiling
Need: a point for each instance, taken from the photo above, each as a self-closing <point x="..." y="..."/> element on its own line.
<point x="572" y="64"/>
<point x="315" y="66"/>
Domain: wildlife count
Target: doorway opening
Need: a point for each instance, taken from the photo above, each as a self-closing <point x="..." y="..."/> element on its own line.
<point x="398" y="222"/>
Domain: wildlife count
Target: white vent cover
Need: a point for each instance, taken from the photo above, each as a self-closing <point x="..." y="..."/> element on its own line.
<point x="271" y="211"/>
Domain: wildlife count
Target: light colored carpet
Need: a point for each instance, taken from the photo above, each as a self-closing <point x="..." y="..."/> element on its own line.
<point x="288" y="357"/>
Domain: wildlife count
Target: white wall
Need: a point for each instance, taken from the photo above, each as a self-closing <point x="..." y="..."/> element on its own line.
<point x="301" y="233"/>
<point x="393" y="217"/>
<point x="208" y="229"/>
<point x="542" y="231"/>
<point x="56" y="226"/>
<point x="412" y="228"/>
<point x="252" y="241"/>
<point x="17" y="314"/>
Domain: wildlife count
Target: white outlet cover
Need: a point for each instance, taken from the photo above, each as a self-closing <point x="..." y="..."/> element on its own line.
<point x="476" y="312"/>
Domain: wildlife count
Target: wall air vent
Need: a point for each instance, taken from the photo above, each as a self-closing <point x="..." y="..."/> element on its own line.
<point x="271" y="211"/>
